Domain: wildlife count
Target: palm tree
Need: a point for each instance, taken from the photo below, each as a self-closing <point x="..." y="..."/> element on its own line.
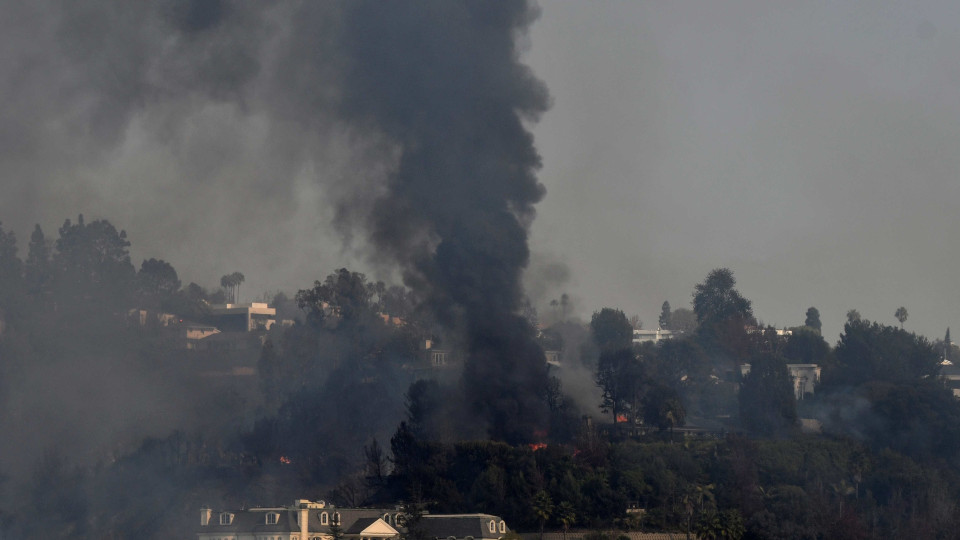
<point x="542" y="508"/>
<point x="704" y="493"/>
<point x="237" y="278"/>
<point x="566" y="516"/>
<point x="227" y="283"/>
<point x="842" y="489"/>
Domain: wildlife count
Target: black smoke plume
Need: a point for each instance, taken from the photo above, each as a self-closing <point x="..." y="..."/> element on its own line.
<point x="447" y="90"/>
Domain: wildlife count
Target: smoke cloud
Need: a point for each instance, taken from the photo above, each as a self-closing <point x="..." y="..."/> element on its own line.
<point x="221" y="135"/>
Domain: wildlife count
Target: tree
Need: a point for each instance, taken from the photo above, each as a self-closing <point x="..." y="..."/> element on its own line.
<point x="767" y="401"/>
<point x="157" y="279"/>
<point x="715" y="300"/>
<point x="681" y="362"/>
<point x="874" y="352"/>
<point x="662" y="408"/>
<point x="11" y="267"/>
<point x="853" y="316"/>
<point x="664" y="320"/>
<point x="336" y="531"/>
<point x="412" y="516"/>
<point x="542" y="508"/>
<point x="619" y="375"/>
<point x="343" y="293"/>
<point x="92" y="261"/>
<point x="231" y="284"/>
<point x="566" y="516"/>
<point x="723" y="314"/>
<point x="376" y="464"/>
<point x="813" y="319"/>
<point x="947" y="346"/>
<point x="611" y="330"/>
<point x="683" y="321"/>
<point x="37" y="270"/>
<point x="726" y="525"/>
<point x="901" y="315"/>
<point x="805" y="346"/>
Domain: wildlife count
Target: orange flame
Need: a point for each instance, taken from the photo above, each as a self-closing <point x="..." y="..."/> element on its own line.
<point x="538" y="446"/>
<point x="621" y="418"/>
<point x="285" y="460"/>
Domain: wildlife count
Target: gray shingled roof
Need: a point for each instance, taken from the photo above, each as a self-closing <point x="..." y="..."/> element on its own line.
<point x="461" y="526"/>
<point x="255" y="521"/>
<point x="360" y="524"/>
<point x="353" y="521"/>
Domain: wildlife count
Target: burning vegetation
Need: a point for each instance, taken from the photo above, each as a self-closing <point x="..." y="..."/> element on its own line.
<point x="127" y="402"/>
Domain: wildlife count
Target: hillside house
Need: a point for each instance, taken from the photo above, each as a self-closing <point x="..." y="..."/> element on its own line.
<point x="251" y="317"/>
<point x="652" y="336"/>
<point x="805" y="377"/>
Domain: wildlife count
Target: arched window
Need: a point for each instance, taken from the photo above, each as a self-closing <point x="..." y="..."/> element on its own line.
<point x="400" y="520"/>
<point x="324" y="518"/>
<point x="272" y="518"/>
<point x="492" y="525"/>
<point x="503" y="527"/>
<point x="336" y="518"/>
<point x="386" y="518"/>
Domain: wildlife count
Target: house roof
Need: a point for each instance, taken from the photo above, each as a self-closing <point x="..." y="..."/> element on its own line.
<point x="371" y="527"/>
<point x="354" y="522"/>
<point x="461" y="526"/>
<point x="255" y="520"/>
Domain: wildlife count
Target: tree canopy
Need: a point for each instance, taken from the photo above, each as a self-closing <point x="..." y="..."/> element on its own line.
<point x="767" y="402"/>
<point x="717" y="300"/>
<point x="611" y="330"/>
<point x="813" y="319"/>
<point x="871" y="351"/>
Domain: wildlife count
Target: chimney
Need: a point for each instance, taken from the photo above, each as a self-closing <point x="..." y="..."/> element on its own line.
<point x="205" y="514"/>
<point x="304" y="521"/>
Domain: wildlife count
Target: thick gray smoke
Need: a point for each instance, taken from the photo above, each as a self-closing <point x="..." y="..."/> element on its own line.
<point x="237" y="130"/>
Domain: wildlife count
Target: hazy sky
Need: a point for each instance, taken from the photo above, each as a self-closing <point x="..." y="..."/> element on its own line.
<point x="810" y="147"/>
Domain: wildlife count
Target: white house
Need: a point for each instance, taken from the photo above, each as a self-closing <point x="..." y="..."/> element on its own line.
<point x="805" y="377"/>
<point x="642" y="336"/>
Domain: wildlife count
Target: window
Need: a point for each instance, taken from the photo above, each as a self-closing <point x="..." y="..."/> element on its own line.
<point x="386" y="518"/>
<point x="336" y="518"/>
<point x="503" y="527"/>
<point x="324" y="519"/>
<point x="272" y="518"/>
<point x="226" y="519"/>
<point x="493" y="526"/>
<point x="400" y="520"/>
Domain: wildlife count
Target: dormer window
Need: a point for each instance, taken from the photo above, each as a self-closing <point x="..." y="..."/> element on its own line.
<point x="272" y="518"/>
<point x="492" y="525"/>
<point x="386" y="518"/>
<point x="324" y="518"/>
<point x="336" y="518"/>
<point x="226" y="518"/>
<point x="503" y="527"/>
